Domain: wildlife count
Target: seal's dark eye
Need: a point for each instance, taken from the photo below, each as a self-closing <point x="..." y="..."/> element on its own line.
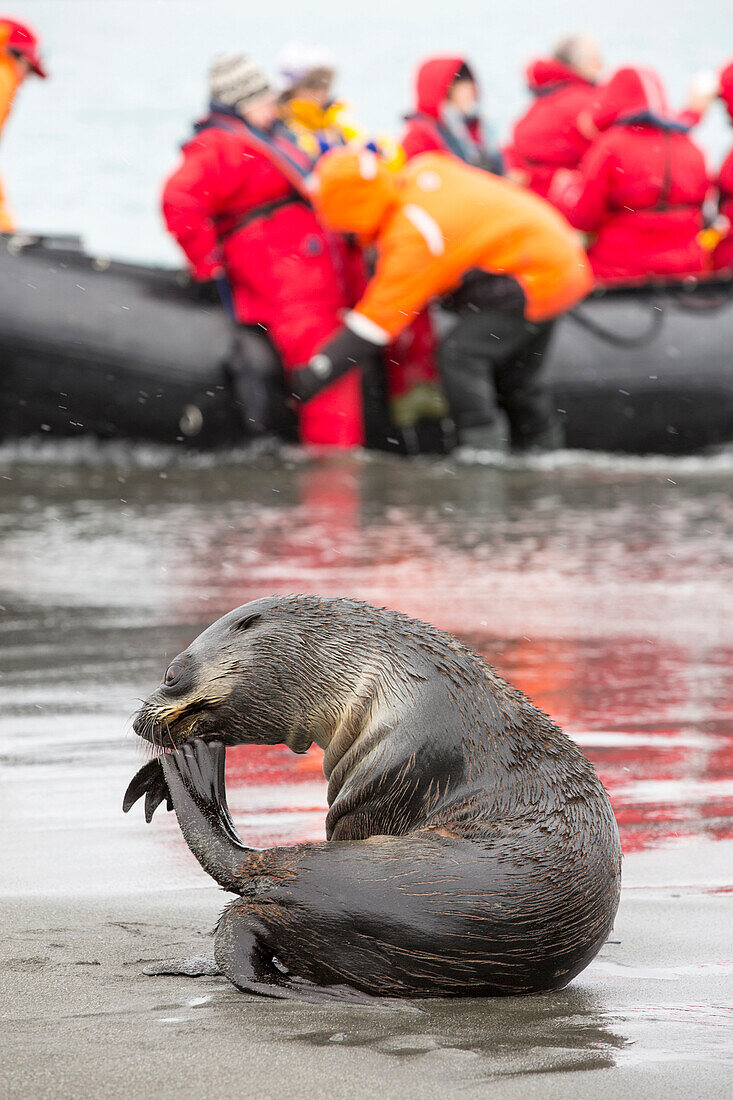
<point x="172" y="675"/>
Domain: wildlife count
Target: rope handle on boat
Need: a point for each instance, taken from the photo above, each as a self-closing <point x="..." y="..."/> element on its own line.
<point x="716" y="299"/>
<point x="698" y="303"/>
<point x="639" y="341"/>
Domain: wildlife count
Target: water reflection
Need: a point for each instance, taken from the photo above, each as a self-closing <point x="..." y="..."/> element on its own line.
<point x="603" y="592"/>
<point x="477" y="1041"/>
<point x="624" y="644"/>
<point x="497" y="1038"/>
<point x="662" y="745"/>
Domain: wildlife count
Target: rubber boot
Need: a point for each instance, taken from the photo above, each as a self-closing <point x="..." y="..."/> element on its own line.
<point x="486" y="437"/>
<point x="551" y="438"/>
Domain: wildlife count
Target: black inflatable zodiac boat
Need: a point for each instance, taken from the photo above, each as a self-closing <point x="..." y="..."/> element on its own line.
<point x="124" y="351"/>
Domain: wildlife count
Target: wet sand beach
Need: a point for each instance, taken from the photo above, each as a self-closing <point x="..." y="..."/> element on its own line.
<point x="651" y="1016"/>
<point x="602" y="588"/>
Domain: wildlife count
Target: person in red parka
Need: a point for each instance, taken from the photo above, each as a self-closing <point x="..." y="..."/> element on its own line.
<point x="558" y="127"/>
<point x="446" y="117"/>
<point x="640" y="187"/>
<point x="238" y="206"/>
<point x="723" y="255"/>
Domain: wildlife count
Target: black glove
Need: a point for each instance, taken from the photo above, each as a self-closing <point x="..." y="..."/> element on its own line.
<point x="337" y="356"/>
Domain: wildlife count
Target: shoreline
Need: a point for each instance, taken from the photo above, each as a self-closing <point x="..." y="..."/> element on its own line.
<point x="79" y="1018"/>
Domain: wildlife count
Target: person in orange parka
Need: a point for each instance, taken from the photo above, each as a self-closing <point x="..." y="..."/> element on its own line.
<point x="640" y="187"/>
<point x="500" y="257"/>
<point x="19" y="56"/>
<point x="446" y="117"/>
<point x="723" y="254"/>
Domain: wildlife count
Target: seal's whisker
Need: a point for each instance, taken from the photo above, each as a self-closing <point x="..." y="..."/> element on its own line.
<point x="149" y="731"/>
<point x="170" y="736"/>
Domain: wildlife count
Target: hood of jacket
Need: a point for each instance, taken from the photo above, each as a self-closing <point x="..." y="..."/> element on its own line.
<point x="633" y="95"/>
<point x="544" y="74"/>
<point x="432" y="82"/>
<point x="353" y="191"/>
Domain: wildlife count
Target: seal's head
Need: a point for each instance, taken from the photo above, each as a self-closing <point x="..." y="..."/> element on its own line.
<point x="273" y="671"/>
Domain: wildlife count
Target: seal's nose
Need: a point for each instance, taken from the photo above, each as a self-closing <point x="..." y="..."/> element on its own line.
<point x="143" y="726"/>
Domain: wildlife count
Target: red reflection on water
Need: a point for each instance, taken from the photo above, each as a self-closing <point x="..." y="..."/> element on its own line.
<point x="272" y="764"/>
<point x="655" y="718"/>
<point x="667" y="778"/>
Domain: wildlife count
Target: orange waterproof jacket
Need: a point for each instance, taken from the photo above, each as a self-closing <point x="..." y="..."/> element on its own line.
<point x="435" y="220"/>
<point x="9" y="82"/>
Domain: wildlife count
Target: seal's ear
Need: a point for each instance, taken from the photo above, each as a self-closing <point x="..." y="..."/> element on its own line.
<point x="248" y="620"/>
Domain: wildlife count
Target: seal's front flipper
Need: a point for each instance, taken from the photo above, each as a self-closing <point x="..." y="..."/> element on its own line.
<point x="195" y="778"/>
<point x="195" y="966"/>
<point x="149" y="781"/>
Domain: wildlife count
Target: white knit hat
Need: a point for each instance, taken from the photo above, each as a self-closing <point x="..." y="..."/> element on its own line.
<point x="237" y="81"/>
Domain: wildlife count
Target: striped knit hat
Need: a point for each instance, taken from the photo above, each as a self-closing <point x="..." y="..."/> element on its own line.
<point x="237" y="81"/>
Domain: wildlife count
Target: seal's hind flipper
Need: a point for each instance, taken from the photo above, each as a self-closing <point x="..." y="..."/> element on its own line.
<point x="195" y="966"/>
<point x="245" y="960"/>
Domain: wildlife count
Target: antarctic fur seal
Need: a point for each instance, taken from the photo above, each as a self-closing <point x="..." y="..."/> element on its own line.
<point x="471" y="850"/>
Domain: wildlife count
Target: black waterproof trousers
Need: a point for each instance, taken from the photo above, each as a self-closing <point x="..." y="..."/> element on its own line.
<point x="492" y="359"/>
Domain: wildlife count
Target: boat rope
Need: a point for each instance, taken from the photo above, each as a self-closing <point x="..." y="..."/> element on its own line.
<point x="700" y="303"/>
<point x="639" y="340"/>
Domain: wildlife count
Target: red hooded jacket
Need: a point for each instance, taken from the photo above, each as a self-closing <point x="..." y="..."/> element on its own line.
<point x="425" y="131"/>
<point x="640" y="187"/>
<point x="285" y="271"/>
<point x="723" y="255"/>
<point x="547" y="136"/>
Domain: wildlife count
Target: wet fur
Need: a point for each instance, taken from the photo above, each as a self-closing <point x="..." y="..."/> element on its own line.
<point x="471" y="847"/>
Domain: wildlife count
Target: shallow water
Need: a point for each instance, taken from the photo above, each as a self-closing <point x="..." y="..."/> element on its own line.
<point x="605" y="593"/>
<point x="601" y="587"/>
